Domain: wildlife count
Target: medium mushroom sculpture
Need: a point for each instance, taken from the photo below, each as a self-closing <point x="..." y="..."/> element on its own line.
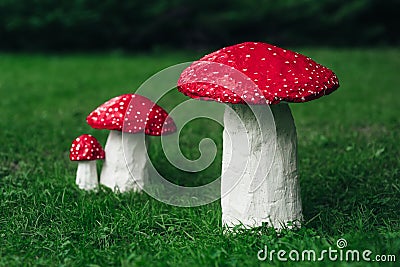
<point x="86" y="150"/>
<point x="257" y="81"/>
<point x="124" y="169"/>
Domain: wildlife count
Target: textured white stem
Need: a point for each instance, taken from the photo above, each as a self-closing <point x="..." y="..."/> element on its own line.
<point x="124" y="172"/>
<point x="259" y="167"/>
<point x="86" y="175"/>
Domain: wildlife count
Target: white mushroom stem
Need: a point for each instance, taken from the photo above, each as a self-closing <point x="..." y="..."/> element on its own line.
<point x="259" y="168"/>
<point x="124" y="171"/>
<point x="86" y="175"/>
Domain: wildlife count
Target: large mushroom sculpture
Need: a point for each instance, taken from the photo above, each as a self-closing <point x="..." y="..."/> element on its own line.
<point x="259" y="180"/>
<point x="86" y="150"/>
<point x="124" y="168"/>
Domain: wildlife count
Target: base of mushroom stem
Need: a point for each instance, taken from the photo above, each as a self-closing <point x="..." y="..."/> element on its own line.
<point x="124" y="167"/>
<point x="86" y="175"/>
<point x="259" y="181"/>
<point x="231" y="225"/>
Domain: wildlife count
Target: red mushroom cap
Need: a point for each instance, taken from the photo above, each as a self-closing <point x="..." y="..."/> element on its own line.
<point x="86" y="147"/>
<point x="132" y="113"/>
<point x="256" y="73"/>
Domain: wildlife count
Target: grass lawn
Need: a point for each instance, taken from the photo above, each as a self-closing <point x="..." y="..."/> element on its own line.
<point x="349" y="164"/>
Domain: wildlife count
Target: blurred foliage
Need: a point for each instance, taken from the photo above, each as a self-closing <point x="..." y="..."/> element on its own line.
<point x="89" y="24"/>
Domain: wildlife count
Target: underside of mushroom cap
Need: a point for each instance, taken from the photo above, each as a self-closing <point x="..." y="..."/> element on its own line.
<point x="132" y="113"/>
<point x="86" y="147"/>
<point x="256" y="73"/>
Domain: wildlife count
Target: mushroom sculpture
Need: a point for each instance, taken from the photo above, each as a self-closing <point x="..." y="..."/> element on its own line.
<point x="125" y="170"/>
<point x="257" y="81"/>
<point x="86" y="150"/>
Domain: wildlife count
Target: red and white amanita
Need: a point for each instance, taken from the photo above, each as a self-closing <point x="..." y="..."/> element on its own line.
<point x="255" y="79"/>
<point x="86" y="150"/>
<point x="132" y="114"/>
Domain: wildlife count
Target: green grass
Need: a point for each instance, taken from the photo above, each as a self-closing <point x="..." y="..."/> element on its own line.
<point x="348" y="158"/>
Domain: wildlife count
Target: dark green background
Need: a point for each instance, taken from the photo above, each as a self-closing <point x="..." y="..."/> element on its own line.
<point x="133" y="25"/>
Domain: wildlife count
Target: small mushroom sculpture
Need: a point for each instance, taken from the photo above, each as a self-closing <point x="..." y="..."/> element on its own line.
<point x="265" y="166"/>
<point x="86" y="150"/>
<point x="125" y="170"/>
